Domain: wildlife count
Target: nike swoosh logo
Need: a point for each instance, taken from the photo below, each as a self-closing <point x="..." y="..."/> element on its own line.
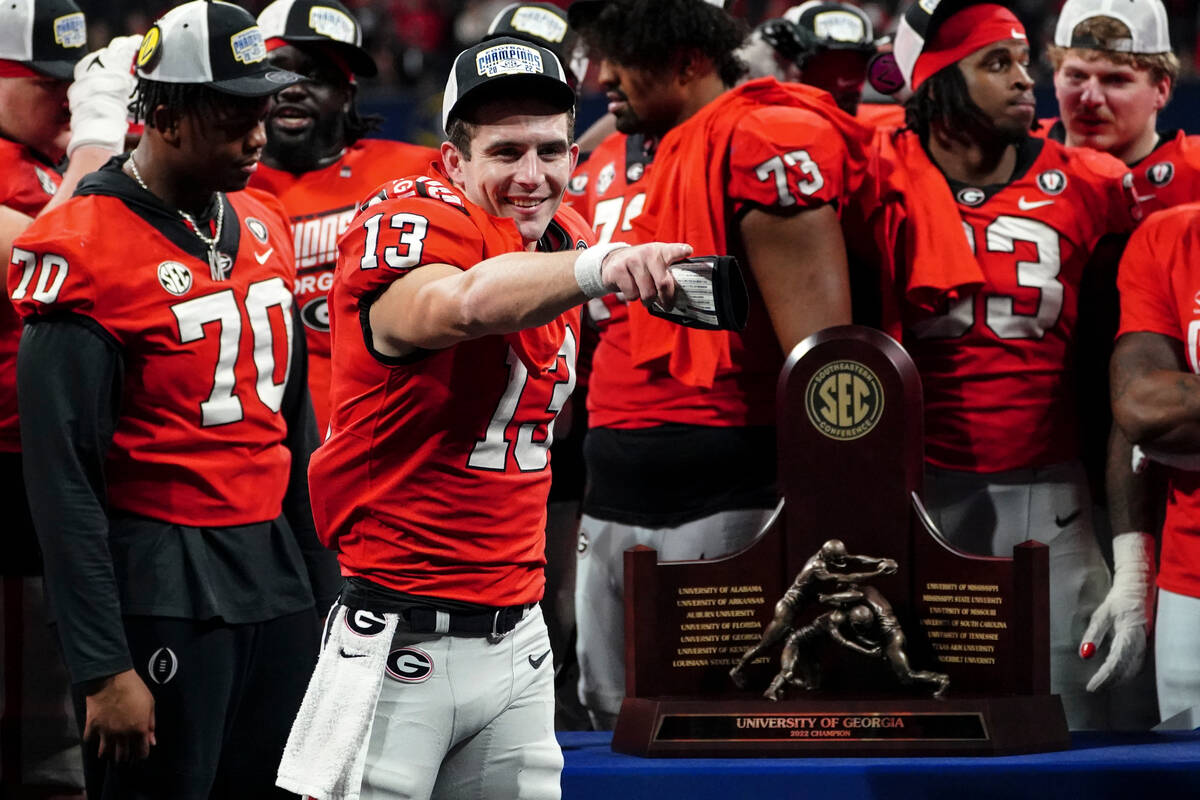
<point x="537" y="662"/>
<point x="1029" y="205"/>
<point x="1063" y="522"/>
<point x="342" y="652"/>
<point x="1016" y="34"/>
<point x="96" y="62"/>
<point x="262" y="257"/>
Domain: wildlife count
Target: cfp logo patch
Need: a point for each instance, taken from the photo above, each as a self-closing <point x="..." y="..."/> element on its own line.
<point x="1052" y="181"/>
<point x="540" y="23"/>
<point x="70" y="30"/>
<point x="578" y="183"/>
<point x="257" y="229"/>
<point x="409" y="665"/>
<point x="364" y="623"/>
<point x="844" y="400"/>
<point x="971" y="196"/>
<point x="175" y="278"/>
<point x="332" y="23"/>
<point x="248" y="46"/>
<point x="508" y="59"/>
<point x="163" y="665"/>
<point x="607" y="175"/>
<point x="1160" y="174"/>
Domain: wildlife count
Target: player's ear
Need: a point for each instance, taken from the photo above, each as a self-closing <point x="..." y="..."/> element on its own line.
<point x="166" y="122"/>
<point x="351" y="94"/>
<point x="452" y="159"/>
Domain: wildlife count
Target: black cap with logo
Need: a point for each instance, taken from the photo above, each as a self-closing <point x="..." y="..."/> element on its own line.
<point x="505" y="60"/>
<point x="212" y="43"/>
<point x="47" y="36"/>
<point x="325" y="22"/>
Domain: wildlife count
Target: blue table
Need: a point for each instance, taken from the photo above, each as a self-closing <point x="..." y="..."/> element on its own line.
<point x="1142" y="766"/>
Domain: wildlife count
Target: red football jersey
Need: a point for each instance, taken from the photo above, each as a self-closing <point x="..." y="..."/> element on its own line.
<point x="200" y="439"/>
<point x="996" y="361"/>
<point x="435" y="476"/>
<point x="1170" y="175"/>
<point x="321" y="204"/>
<point x="778" y="157"/>
<point x="610" y="191"/>
<point x="26" y="185"/>
<point x="1159" y="282"/>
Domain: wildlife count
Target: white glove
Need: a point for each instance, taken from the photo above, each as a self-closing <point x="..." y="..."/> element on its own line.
<point x="99" y="97"/>
<point x="1127" y="611"/>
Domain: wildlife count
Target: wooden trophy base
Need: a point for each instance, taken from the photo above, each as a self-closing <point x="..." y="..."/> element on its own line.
<point x="744" y="728"/>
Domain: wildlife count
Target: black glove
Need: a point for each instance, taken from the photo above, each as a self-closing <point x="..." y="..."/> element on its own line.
<point x="710" y="294"/>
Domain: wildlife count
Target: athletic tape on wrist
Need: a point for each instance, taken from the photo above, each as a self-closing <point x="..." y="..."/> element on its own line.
<point x="588" y="272"/>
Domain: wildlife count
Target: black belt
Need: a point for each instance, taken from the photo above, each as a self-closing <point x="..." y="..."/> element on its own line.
<point x="420" y="615"/>
<point x="494" y="623"/>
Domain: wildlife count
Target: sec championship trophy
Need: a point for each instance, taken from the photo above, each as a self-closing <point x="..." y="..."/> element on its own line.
<point x="848" y="627"/>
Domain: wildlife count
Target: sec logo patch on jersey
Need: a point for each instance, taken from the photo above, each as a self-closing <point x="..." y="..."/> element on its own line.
<point x="409" y="665"/>
<point x="175" y="278"/>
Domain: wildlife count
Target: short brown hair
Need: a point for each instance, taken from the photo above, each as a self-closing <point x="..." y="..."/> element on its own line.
<point x="461" y="131"/>
<point x="1106" y="31"/>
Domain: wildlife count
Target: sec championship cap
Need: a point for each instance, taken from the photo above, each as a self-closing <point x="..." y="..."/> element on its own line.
<point x="325" y="22"/>
<point x="212" y="43"/>
<point x="46" y="37"/>
<point x="1146" y="20"/>
<point x="504" y="61"/>
<point x="835" y="26"/>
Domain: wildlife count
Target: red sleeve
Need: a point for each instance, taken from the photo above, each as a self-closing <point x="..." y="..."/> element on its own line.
<point x="1144" y="278"/>
<point x="786" y="158"/>
<point x="44" y="274"/>
<point x="409" y="224"/>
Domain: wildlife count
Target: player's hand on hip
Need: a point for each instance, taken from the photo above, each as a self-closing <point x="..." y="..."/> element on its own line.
<point x="1127" y="611"/>
<point x="99" y="97"/>
<point x="121" y="714"/>
<point x="643" y="272"/>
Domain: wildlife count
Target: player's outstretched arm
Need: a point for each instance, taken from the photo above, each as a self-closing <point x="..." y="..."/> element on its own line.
<point x="799" y="264"/>
<point x="438" y="305"/>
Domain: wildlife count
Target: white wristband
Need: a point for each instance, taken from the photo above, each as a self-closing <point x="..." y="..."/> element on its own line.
<point x="588" y="269"/>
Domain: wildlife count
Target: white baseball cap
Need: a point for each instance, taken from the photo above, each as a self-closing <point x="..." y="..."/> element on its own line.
<point x="47" y="36"/>
<point x="1146" y="20"/>
<point x="213" y="43"/>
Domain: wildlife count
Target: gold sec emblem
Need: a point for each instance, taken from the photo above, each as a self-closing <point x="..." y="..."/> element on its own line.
<point x="844" y="400"/>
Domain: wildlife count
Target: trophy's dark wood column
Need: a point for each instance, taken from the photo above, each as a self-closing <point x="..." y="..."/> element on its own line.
<point x="850" y="428"/>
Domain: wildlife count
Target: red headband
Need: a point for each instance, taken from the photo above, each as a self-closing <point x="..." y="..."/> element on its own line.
<point x="15" y="69"/>
<point x="275" y="42"/>
<point x="965" y="32"/>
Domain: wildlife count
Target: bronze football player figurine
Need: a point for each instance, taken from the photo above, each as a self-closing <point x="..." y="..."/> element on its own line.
<point x="829" y="565"/>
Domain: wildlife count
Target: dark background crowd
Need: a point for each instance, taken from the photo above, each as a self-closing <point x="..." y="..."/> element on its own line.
<point x="414" y="41"/>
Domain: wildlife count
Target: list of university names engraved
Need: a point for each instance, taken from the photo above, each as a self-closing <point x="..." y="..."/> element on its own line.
<point x="719" y="624"/>
<point x="964" y="621"/>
